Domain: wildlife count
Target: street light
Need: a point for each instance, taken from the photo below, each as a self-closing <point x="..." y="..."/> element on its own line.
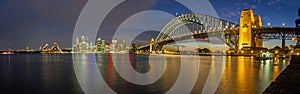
<point x="283" y="24"/>
<point x="269" y="24"/>
<point x="293" y="37"/>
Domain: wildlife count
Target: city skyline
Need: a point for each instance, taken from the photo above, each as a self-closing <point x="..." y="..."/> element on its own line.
<point x="33" y="23"/>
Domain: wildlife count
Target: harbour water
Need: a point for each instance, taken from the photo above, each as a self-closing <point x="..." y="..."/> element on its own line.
<point x="55" y="74"/>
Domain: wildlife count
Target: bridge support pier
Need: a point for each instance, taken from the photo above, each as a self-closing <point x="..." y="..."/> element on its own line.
<point x="283" y="43"/>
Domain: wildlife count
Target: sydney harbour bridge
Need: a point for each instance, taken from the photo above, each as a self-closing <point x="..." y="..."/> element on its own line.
<point x="249" y="33"/>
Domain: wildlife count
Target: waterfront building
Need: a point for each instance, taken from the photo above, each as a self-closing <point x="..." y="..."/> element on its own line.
<point x="46" y="48"/>
<point x="55" y="48"/>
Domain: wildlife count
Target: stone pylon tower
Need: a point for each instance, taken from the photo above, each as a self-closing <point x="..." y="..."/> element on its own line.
<point x="151" y="44"/>
<point x="247" y="37"/>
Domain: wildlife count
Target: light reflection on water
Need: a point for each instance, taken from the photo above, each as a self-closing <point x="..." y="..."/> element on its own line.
<point x="55" y="73"/>
<point x="241" y="74"/>
<point x="38" y="74"/>
<point x="245" y="75"/>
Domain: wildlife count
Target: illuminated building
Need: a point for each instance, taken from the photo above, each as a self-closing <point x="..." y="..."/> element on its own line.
<point x="104" y="46"/>
<point x="100" y="45"/>
<point x="46" y="48"/>
<point x="54" y="49"/>
<point x="83" y="45"/>
<point x="122" y="45"/>
<point x="114" y="45"/>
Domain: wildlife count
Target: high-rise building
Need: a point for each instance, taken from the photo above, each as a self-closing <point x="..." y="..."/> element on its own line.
<point x="103" y="46"/>
<point x="98" y="45"/>
<point x="122" y="45"/>
<point x="83" y="45"/>
<point x="114" y="45"/>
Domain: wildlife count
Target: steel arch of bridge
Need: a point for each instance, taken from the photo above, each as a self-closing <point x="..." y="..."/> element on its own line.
<point x="208" y="24"/>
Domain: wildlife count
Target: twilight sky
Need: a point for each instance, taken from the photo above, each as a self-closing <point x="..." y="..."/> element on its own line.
<point x="36" y="22"/>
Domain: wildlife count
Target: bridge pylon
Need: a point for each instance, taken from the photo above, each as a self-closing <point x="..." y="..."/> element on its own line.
<point x="151" y="45"/>
<point x="247" y="37"/>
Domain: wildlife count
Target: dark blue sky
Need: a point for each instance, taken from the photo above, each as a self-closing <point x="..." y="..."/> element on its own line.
<point x="36" y="22"/>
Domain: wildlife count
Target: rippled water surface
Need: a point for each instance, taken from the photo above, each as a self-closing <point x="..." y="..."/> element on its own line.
<point x="54" y="73"/>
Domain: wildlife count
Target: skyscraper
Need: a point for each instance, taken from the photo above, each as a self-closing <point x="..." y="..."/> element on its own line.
<point x="83" y="45"/>
<point x="98" y="45"/>
<point x="122" y="45"/>
<point x="114" y="45"/>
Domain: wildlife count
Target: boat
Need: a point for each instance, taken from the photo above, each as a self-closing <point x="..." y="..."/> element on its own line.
<point x="264" y="56"/>
<point x="7" y="53"/>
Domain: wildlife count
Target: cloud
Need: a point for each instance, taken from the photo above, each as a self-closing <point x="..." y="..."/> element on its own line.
<point x="237" y="4"/>
<point x="279" y="7"/>
<point x="231" y="14"/>
<point x="253" y="6"/>
<point x="269" y="3"/>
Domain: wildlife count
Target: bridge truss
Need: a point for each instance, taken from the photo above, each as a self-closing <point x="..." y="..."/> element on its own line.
<point x="196" y="26"/>
<point x="202" y="26"/>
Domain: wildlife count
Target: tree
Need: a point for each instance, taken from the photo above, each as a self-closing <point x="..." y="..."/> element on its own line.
<point x="205" y="50"/>
<point x="277" y="48"/>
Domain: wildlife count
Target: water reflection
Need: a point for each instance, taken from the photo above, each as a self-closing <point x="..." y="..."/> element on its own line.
<point x="37" y="73"/>
<point x="141" y="64"/>
<point x="241" y="74"/>
<point x="55" y="73"/>
<point x="247" y="76"/>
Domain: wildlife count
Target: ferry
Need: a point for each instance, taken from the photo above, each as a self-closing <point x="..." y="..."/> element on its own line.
<point x="7" y="53"/>
<point x="264" y="56"/>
